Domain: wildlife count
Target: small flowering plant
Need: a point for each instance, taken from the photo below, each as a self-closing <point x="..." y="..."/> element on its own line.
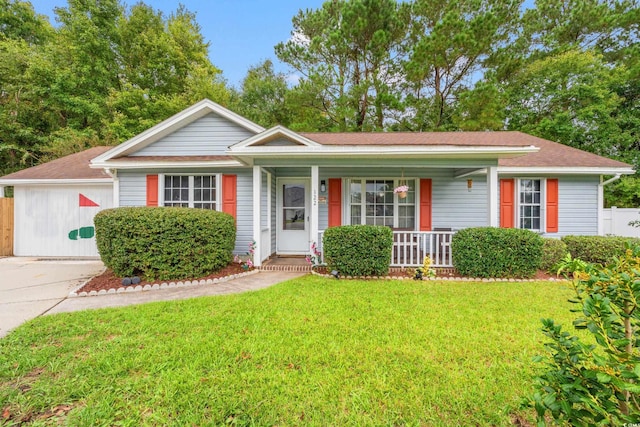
<point x="247" y="263"/>
<point x="425" y="270"/>
<point x="315" y="259"/>
<point x="401" y="189"/>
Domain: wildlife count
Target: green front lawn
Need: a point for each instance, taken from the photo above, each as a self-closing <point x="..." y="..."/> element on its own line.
<point x="312" y="351"/>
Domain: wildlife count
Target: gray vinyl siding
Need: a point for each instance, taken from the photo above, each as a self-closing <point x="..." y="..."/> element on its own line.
<point x="453" y="206"/>
<point x="133" y="188"/>
<point x="133" y="192"/>
<point x="577" y="204"/>
<point x="244" y="219"/>
<point x="209" y="135"/>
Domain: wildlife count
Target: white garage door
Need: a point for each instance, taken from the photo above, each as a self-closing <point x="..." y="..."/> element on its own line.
<point x="57" y="220"/>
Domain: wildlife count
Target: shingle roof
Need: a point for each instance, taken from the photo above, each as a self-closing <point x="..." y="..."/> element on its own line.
<point x="74" y="166"/>
<point x="551" y="154"/>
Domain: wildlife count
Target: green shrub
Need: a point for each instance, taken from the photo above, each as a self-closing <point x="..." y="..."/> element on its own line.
<point x="164" y="243"/>
<point x="496" y="252"/>
<point x="358" y="250"/>
<point x="597" y="249"/>
<point x="594" y="381"/>
<point x="553" y="251"/>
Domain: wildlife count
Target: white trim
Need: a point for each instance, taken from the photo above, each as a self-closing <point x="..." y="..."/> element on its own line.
<point x="364" y="151"/>
<point x="257" y="223"/>
<point x="493" y="199"/>
<point x="396" y="200"/>
<point x="116" y="189"/>
<point x="543" y="203"/>
<point x="271" y="134"/>
<point x="601" y="201"/>
<point x="1" y="192"/>
<point x="565" y="170"/>
<point x="174" y="123"/>
<point x="218" y="182"/>
<point x="471" y="173"/>
<point x="601" y="208"/>
<point x="269" y="213"/>
<point x="314" y="225"/>
<point x="307" y="183"/>
<point x="14" y="182"/>
<point x="114" y="164"/>
<point x="161" y="189"/>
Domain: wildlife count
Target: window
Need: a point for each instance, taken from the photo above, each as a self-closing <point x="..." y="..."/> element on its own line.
<point x="193" y="191"/>
<point x="373" y="202"/>
<point x="530" y="204"/>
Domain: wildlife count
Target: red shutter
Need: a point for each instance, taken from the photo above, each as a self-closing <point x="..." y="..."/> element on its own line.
<point x="507" y="203"/>
<point x="425" y="205"/>
<point x="552" y="205"/>
<point x="152" y="190"/>
<point x="229" y="197"/>
<point x="335" y="202"/>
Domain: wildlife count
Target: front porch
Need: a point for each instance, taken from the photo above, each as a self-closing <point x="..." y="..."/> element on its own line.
<point x="410" y="248"/>
<point x="292" y="206"/>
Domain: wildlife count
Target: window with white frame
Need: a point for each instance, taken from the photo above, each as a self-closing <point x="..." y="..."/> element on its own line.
<point x="530" y="204"/>
<point x="193" y="191"/>
<point x="373" y="202"/>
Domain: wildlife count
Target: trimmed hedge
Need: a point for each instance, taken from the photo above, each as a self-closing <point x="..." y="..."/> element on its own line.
<point x="496" y="252"/>
<point x="164" y="243"/>
<point x="358" y="250"/>
<point x="553" y="251"/>
<point x="597" y="249"/>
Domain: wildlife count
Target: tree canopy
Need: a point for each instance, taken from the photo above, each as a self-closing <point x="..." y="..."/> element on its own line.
<point x="565" y="70"/>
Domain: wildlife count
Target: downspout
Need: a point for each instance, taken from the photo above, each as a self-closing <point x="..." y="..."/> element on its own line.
<point x="601" y="201"/>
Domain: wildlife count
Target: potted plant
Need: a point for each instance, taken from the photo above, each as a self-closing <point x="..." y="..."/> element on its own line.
<point x="401" y="190"/>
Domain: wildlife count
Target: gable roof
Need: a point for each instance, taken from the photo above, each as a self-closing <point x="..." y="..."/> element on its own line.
<point x="74" y="167"/>
<point x="173" y="123"/>
<point x="275" y="133"/>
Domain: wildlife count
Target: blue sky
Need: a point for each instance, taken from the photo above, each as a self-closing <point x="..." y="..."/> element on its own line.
<point x="241" y="33"/>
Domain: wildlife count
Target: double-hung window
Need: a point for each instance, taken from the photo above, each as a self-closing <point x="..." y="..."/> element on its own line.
<point x="373" y="202"/>
<point x="530" y="204"/>
<point x="193" y="191"/>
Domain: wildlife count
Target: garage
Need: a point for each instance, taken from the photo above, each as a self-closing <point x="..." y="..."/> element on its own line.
<point x="55" y="203"/>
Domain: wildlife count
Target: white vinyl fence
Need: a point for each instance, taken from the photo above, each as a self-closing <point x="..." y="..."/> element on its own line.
<point x="616" y="222"/>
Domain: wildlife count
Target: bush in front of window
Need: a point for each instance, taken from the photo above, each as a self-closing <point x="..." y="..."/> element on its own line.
<point x="164" y="243"/>
<point x="489" y="252"/>
<point x="358" y="250"/>
<point x="597" y="249"/>
<point x="553" y="252"/>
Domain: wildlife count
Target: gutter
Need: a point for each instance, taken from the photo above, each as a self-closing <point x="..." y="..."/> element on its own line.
<point x="610" y="180"/>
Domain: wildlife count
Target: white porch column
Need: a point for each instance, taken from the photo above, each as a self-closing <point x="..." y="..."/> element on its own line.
<point x="257" y="224"/>
<point x="1" y="191"/>
<point x="492" y="197"/>
<point x="315" y="184"/>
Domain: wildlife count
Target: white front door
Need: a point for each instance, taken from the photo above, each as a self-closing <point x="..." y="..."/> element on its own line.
<point x="293" y="215"/>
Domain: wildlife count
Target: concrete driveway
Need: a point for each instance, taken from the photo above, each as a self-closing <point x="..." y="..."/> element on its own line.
<point x="30" y="287"/>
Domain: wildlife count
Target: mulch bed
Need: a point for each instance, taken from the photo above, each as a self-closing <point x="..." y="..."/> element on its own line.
<point x="108" y="280"/>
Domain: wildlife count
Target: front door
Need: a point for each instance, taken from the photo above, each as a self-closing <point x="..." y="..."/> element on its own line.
<point x="293" y="216"/>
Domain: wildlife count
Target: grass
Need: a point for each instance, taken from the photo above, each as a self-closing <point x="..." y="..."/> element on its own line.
<point x="311" y="351"/>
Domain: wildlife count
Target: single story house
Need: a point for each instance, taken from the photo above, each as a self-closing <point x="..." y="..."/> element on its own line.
<point x="284" y="188"/>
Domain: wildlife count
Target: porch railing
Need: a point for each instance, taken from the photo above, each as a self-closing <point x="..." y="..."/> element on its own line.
<point x="410" y="248"/>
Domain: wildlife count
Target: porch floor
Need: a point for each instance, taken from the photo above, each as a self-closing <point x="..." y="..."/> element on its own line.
<point x="286" y="263"/>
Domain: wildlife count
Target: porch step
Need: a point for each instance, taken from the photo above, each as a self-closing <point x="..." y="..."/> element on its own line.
<point x="282" y="267"/>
